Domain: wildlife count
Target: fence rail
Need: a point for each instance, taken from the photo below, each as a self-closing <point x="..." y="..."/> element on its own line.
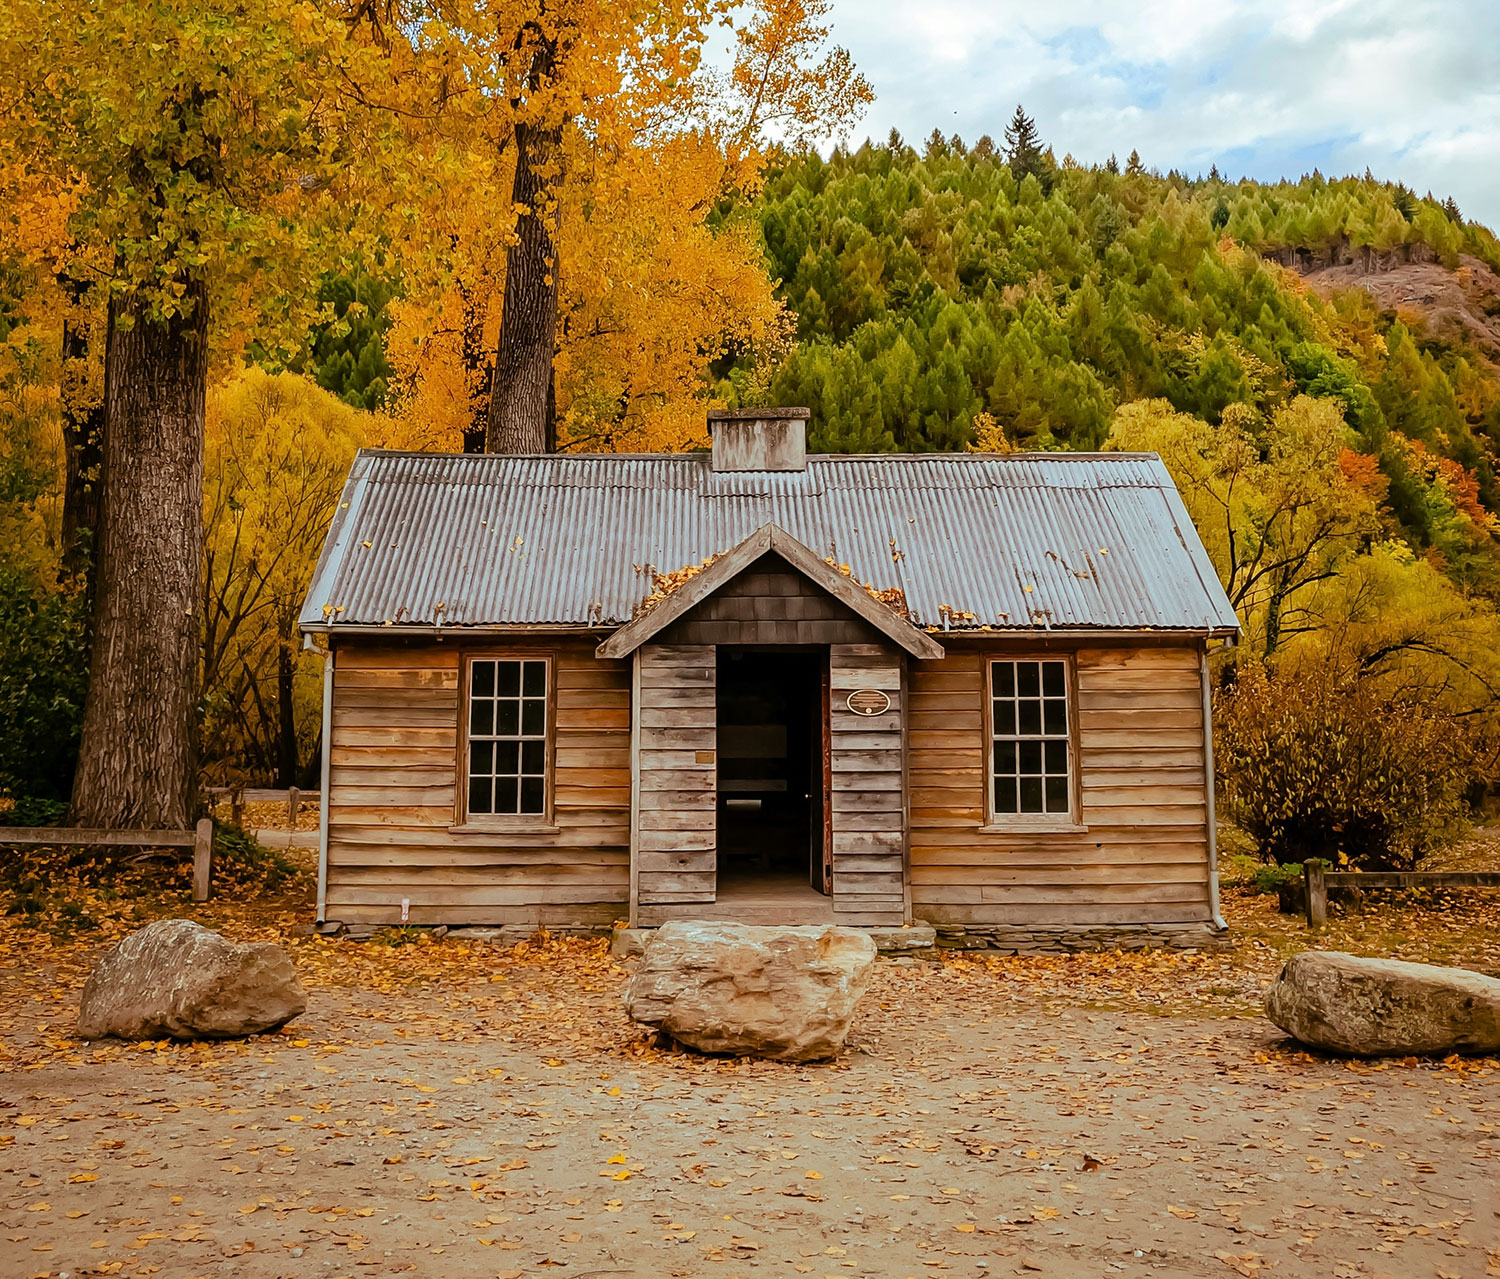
<point x="239" y="796"/>
<point x="1318" y="880"/>
<point x="200" y="839"/>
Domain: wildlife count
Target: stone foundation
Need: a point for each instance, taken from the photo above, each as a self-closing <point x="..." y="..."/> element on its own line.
<point x="924" y="940"/>
<point x="1026" y="939"/>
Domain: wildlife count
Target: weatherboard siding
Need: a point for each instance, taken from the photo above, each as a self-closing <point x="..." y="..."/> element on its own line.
<point x="391" y="794"/>
<point x="1139" y="733"/>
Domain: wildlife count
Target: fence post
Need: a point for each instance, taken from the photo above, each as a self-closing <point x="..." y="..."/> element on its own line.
<point x="293" y="803"/>
<point x="203" y="858"/>
<point x="237" y="806"/>
<point x="1317" y="892"/>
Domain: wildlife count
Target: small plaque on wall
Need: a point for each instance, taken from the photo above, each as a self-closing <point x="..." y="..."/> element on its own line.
<point x="868" y="701"/>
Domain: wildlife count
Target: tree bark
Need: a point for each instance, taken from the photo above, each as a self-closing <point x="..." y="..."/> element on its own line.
<point x="138" y="762"/>
<point x="83" y="444"/>
<point x="528" y="321"/>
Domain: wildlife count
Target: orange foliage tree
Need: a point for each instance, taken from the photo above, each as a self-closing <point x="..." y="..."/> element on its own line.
<point x="590" y="241"/>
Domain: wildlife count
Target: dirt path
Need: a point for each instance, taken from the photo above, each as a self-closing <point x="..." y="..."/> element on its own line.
<point x="494" y="1114"/>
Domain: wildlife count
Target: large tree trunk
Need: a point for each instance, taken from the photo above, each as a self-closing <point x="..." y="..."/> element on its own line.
<point x="83" y="443"/>
<point x="528" y="321"/>
<point x="138" y="763"/>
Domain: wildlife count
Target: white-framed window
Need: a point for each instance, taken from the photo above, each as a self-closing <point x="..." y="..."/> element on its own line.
<point x="507" y="755"/>
<point x="1031" y="746"/>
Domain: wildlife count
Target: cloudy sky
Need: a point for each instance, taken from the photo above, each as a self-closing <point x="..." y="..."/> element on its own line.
<point x="1410" y="88"/>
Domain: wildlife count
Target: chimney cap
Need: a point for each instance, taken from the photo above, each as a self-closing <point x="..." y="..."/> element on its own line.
<point x="760" y="415"/>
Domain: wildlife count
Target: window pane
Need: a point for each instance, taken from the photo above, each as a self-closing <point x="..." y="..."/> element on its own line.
<point x="1005" y="794"/>
<point x="534" y="757"/>
<point x="507" y="718"/>
<point x="1057" y="794"/>
<point x="507" y="755"/>
<point x="533" y="795"/>
<point x="482" y="679"/>
<point x="508" y="678"/>
<point x="481" y="718"/>
<point x="481" y="759"/>
<point x="536" y="679"/>
<point x="1030" y="751"/>
<point x="505" y="795"/>
<point x="1031" y="795"/>
<point x="534" y="717"/>
<point x="480" y="789"/>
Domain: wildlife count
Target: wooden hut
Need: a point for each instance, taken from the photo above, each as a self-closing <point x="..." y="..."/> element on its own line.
<point x="759" y="685"/>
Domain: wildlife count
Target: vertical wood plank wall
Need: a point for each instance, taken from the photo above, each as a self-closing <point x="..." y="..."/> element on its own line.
<point x="391" y="795"/>
<point x="1144" y="858"/>
<point x="869" y="818"/>
<point x="676" y="783"/>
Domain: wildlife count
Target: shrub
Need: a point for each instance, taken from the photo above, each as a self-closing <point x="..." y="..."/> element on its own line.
<point x="35" y="810"/>
<point x="43" y="680"/>
<point x="1316" y="765"/>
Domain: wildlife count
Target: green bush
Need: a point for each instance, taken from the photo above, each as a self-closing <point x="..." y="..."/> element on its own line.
<point x="35" y="810"/>
<point x="1270" y="880"/>
<point x="1315" y="765"/>
<point x="43" y="681"/>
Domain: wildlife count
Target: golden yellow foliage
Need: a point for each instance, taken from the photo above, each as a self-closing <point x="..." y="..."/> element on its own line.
<point x="277" y="451"/>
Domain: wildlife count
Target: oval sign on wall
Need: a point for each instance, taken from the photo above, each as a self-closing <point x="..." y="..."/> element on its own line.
<point x="868" y="701"/>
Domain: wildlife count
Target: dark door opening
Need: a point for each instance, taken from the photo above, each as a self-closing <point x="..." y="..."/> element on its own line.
<point x="770" y="771"/>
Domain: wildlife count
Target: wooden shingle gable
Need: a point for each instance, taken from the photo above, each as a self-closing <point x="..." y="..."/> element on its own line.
<point x="770" y="540"/>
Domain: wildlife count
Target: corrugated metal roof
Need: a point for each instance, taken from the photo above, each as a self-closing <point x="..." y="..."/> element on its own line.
<point x="1021" y="541"/>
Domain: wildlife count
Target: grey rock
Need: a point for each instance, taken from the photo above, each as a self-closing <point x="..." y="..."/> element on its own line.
<point x="785" y="993"/>
<point x="177" y="980"/>
<point x="916" y="936"/>
<point x="1384" y="1007"/>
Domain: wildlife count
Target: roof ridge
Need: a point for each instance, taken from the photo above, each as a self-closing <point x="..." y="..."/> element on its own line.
<point x="703" y="455"/>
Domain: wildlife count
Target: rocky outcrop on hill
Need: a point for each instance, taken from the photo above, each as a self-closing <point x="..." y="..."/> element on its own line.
<point x="1438" y="302"/>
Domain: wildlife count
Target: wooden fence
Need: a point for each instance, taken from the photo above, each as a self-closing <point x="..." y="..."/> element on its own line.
<point x="200" y="840"/>
<point x="1318" y="879"/>
<point x="239" y="796"/>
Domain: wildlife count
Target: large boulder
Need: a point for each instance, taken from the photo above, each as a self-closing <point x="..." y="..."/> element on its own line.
<point x="177" y="980"/>
<point x="1384" y="1007"/>
<point x="783" y="993"/>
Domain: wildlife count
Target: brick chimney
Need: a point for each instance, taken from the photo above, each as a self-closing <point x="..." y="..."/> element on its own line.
<point x="759" y="439"/>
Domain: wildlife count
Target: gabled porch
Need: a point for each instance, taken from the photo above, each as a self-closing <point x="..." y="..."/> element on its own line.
<point x="768" y="761"/>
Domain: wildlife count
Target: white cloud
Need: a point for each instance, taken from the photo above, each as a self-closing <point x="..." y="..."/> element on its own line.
<point x="1409" y="88"/>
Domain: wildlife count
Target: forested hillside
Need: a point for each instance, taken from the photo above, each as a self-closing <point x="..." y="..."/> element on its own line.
<point x="931" y="288"/>
<point x="1315" y="361"/>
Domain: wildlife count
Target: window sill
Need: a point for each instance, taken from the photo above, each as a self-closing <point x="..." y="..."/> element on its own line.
<point x="1033" y="828"/>
<point x="523" y="827"/>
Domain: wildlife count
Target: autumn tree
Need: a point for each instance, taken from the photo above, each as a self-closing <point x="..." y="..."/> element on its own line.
<point x="197" y="135"/>
<point x="278" y="449"/>
<point x="1275" y="509"/>
<point x="586" y="313"/>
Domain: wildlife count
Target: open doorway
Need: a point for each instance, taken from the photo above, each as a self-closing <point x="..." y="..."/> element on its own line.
<point x="771" y="774"/>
